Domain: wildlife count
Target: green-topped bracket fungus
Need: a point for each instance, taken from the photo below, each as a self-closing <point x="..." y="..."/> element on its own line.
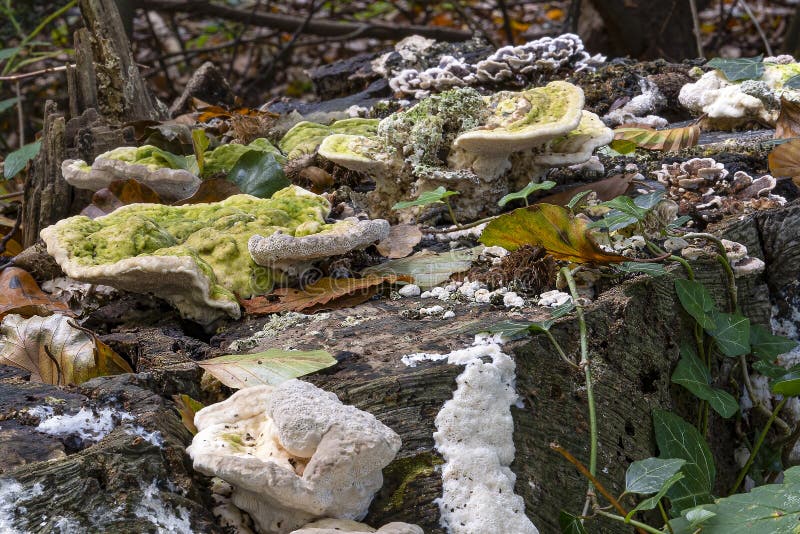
<point x="305" y="137"/>
<point x="293" y="453"/>
<point x="194" y="256"/>
<point x="163" y="172"/>
<point x="481" y="146"/>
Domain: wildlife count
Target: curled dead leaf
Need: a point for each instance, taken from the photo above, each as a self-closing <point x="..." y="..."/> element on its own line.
<point x="56" y="351"/>
<point x="325" y="293"/>
<point x="401" y="241"/>
<point x="20" y="294"/>
<point x="187" y="407"/>
<point x="669" y="140"/>
<point x="120" y="193"/>
<point x="606" y="189"/>
<point x="788" y="124"/>
<point x="784" y="160"/>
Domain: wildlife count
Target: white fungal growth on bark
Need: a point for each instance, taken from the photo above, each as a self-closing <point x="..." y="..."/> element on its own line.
<point x="474" y="434"/>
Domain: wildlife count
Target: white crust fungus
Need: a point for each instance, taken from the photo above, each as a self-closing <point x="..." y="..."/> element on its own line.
<point x="293" y="453"/>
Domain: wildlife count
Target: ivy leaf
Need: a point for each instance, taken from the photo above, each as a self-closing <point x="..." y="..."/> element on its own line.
<point x="627" y="206"/>
<point x="693" y="375"/>
<point x="787" y="385"/>
<point x="8" y="103"/>
<point x="523" y="193"/>
<point x="741" y="68"/>
<point x="570" y="524"/>
<point x="765" y="345"/>
<point x="564" y="309"/>
<point x="650" y="475"/>
<point x="508" y="329"/>
<point x="605" y="189"/>
<point x="731" y="332"/>
<point x="6" y="53"/>
<point x="429" y="269"/>
<point x="270" y="367"/>
<point x="428" y="197"/>
<point x="793" y="82"/>
<point x="575" y="200"/>
<point x="17" y="160"/>
<point x="259" y="174"/>
<point x="678" y="439"/>
<point x="627" y="211"/>
<point x="550" y="227"/>
<point x="653" y="269"/>
<point x="696" y="300"/>
<point x="768" y="509"/>
<point x="652" y="502"/>
<point x="670" y="140"/>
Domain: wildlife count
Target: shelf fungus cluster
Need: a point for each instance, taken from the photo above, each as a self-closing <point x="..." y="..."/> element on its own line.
<point x="481" y="146"/>
<point x="294" y="454"/>
<point x="704" y="189"/>
<point x="202" y="257"/>
<point x="507" y="66"/>
<point x="727" y="105"/>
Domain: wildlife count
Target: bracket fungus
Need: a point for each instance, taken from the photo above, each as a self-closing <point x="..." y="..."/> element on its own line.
<point x="280" y="249"/>
<point x="148" y="164"/>
<point x="335" y="526"/>
<point x="194" y="256"/>
<point x="305" y="137"/>
<point x="482" y="146"/>
<point x="728" y="105"/>
<point x="293" y="453"/>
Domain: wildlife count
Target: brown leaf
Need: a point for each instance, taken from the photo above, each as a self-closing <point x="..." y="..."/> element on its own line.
<point x="187" y="407"/>
<point x="20" y="294"/>
<point x="212" y="190"/>
<point x="784" y="160"/>
<point x="668" y="140"/>
<point x="325" y="293"/>
<point x="120" y="193"/>
<point x="788" y="124"/>
<point x="57" y="351"/>
<point x="321" y="180"/>
<point x="401" y="241"/>
<point x="551" y="227"/>
<point x="605" y="189"/>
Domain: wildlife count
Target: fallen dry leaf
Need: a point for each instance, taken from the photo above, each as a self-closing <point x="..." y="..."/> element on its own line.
<point x="667" y="140"/>
<point x="401" y="241"/>
<point x="187" y="407"/>
<point x="212" y="190"/>
<point x="551" y="227"/>
<point x="120" y="193"/>
<point x="605" y="189"/>
<point x="788" y="124"/>
<point x="270" y="367"/>
<point x="320" y="179"/>
<point x="56" y="351"/>
<point x="325" y="293"/>
<point x="20" y="294"/>
<point x="784" y="160"/>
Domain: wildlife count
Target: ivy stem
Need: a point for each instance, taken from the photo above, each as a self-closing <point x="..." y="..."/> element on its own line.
<point x="757" y="404"/>
<point x="757" y="446"/>
<point x="723" y="260"/>
<point x="689" y="270"/>
<point x="560" y="350"/>
<point x="587" y="370"/>
<point x="664" y="516"/>
<point x="452" y="214"/>
<point x="637" y="524"/>
<point x="473" y="224"/>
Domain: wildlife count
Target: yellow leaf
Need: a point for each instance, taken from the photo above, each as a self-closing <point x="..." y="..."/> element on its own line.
<point x="784" y="160"/>
<point x="668" y="140"/>
<point x="187" y="407"/>
<point x="56" y="351"/>
<point x="551" y="227"/>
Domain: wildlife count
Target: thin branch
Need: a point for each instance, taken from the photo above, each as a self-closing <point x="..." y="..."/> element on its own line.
<point x="696" y="26"/>
<point x="760" y="31"/>
<point x="16" y="77"/>
<point x="290" y="23"/>
<point x="506" y="21"/>
<point x="20" y="114"/>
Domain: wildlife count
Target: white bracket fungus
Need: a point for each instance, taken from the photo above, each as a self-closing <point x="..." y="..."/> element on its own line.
<point x="335" y="526"/>
<point x="293" y="453"/>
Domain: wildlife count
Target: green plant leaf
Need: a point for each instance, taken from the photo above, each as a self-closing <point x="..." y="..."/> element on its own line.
<point x="653" y="269"/>
<point x="570" y="524"/>
<point x="8" y="103"/>
<point x="428" y="197"/>
<point x="680" y="221"/>
<point x="507" y="329"/>
<point x="17" y="160"/>
<point x="622" y="146"/>
<point x="200" y="143"/>
<point x="523" y="193"/>
<point x="772" y="370"/>
<point x="551" y="227"/>
<point x="787" y="385"/>
<point x="627" y="206"/>
<point x="693" y="375"/>
<point x="696" y="300"/>
<point x="731" y="332"/>
<point x="564" y="309"/>
<point x="742" y="68"/>
<point x="270" y="367"/>
<point x="650" y="475"/>
<point x="429" y="268"/>
<point x="678" y="439"/>
<point x="793" y="82"/>
<point x="6" y="53"/>
<point x="652" y="502"/>
<point x="768" y="509"/>
<point x="765" y="345"/>
<point x="259" y="174"/>
<point x="175" y="161"/>
<point x="575" y="200"/>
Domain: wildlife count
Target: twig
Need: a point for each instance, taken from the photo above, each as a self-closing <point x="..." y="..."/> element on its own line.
<point x="696" y="25"/>
<point x="20" y="114"/>
<point x="760" y="31"/>
<point x="289" y="23"/>
<point x="12" y="195"/>
<point x="55" y="361"/>
<point x="506" y="21"/>
<point x="641" y="526"/>
<point x="15" y="77"/>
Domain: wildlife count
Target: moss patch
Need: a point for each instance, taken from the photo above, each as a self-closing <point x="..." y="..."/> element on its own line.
<point x="403" y="472"/>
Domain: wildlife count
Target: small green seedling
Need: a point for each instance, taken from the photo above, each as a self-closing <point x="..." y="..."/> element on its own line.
<point x="437" y="196"/>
